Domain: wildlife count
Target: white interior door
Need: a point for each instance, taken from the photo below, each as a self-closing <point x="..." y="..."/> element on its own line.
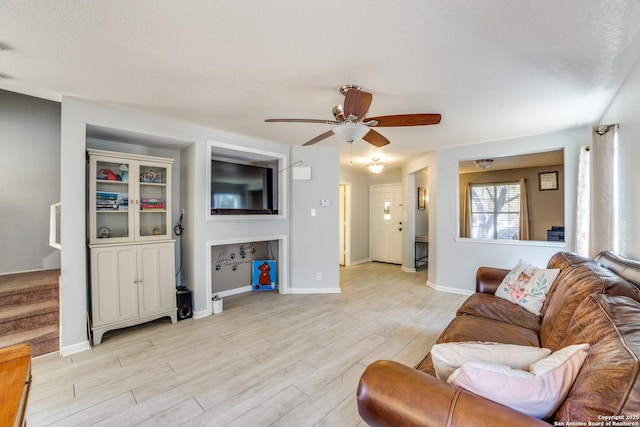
<point x="386" y="223"/>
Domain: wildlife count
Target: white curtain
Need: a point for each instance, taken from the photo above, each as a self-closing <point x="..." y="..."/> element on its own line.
<point x="602" y="230"/>
<point x="524" y="211"/>
<point x="584" y="195"/>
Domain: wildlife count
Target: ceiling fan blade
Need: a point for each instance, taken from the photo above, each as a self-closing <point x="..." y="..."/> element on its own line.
<point x="319" y="138"/>
<point x="406" y="120"/>
<point x="328" y="122"/>
<point x="357" y="103"/>
<point x="374" y="138"/>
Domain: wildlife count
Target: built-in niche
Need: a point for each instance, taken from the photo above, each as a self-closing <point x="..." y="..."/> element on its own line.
<point x="243" y="182"/>
<point x="240" y="267"/>
<point x="513" y="197"/>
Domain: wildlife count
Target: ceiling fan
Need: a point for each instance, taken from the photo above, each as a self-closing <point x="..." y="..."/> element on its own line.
<point x="352" y="122"/>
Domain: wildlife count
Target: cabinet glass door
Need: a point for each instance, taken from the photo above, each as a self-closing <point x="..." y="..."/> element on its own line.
<point x="110" y="201"/>
<point x="153" y="201"/>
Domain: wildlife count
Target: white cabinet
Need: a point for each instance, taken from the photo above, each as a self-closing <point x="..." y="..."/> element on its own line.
<point x="131" y="284"/>
<point x="129" y="198"/>
<point x="131" y="252"/>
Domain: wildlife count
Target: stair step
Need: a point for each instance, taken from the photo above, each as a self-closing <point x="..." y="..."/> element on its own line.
<point x="29" y="310"/>
<point x="26" y="288"/>
<point x="43" y="340"/>
<point x="28" y="316"/>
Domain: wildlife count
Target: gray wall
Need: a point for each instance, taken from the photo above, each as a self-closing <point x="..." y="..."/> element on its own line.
<point x="422" y="216"/>
<point x="29" y="181"/>
<point x="359" y="182"/>
<point x="315" y="239"/>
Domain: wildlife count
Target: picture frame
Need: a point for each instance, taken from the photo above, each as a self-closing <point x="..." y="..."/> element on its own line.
<point x="548" y="181"/>
<point x="422" y="198"/>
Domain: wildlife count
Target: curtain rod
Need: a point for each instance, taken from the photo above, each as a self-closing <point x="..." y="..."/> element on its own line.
<point x="602" y="129"/>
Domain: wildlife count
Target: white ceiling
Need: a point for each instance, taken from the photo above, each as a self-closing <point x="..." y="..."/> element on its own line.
<point x="494" y="69"/>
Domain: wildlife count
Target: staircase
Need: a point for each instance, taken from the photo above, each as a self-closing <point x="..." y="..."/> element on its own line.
<point x="29" y="310"/>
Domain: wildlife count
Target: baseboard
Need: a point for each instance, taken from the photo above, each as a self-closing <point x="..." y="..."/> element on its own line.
<point x="360" y="261"/>
<point x="408" y="269"/>
<point x="235" y="291"/>
<point x="314" y="290"/>
<point x="450" y="289"/>
<point x="201" y="314"/>
<point x="75" y="348"/>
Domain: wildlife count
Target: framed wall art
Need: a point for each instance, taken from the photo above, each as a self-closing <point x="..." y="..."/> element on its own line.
<point x="548" y="181"/>
<point x="422" y="198"/>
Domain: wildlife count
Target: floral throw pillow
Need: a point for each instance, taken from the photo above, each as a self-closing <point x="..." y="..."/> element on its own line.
<point x="527" y="286"/>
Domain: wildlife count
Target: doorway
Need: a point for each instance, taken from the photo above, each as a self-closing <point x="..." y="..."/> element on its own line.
<point x="344" y="221"/>
<point x="386" y="209"/>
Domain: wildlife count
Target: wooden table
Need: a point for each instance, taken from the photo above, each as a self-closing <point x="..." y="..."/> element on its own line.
<point x="15" y="377"/>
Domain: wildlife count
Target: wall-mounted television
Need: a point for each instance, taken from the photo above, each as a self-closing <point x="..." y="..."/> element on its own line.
<point x="243" y="188"/>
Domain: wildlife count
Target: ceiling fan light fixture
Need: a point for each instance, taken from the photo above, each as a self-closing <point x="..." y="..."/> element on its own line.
<point x="375" y="167"/>
<point x="483" y="163"/>
<point x="351" y="131"/>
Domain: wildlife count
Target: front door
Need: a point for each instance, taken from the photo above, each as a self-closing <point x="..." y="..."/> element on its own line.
<point x="386" y="223"/>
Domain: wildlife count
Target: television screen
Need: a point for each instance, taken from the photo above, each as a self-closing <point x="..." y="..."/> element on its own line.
<point x="238" y="188"/>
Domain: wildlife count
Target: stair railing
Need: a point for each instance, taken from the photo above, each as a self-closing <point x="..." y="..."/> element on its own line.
<point x="55" y="211"/>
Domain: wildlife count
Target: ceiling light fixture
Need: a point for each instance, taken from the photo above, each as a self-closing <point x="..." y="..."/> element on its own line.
<point x="375" y="167"/>
<point x="351" y="131"/>
<point x="483" y="163"/>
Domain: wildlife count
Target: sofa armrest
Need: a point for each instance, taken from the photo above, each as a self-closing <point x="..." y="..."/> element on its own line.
<point x="392" y="394"/>
<point x="489" y="278"/>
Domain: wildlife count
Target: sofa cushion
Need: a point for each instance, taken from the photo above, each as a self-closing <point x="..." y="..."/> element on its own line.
<point x="487" y="305"/>
<point x="537" y="392"/>
<point x="627" y="268"/>
<point x="472" y="328"/>
<point x="563" y="260"/>
<point x="572" y="286"/>
<point x="527" y="286"/>
<point x="609" y="382"/>
<point x="447" y="357"/>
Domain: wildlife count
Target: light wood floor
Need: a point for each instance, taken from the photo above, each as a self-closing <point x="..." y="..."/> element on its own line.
<point x="267" y="360"/>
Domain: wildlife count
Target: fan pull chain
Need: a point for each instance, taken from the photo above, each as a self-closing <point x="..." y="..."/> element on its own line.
<point x="350" y="153"/>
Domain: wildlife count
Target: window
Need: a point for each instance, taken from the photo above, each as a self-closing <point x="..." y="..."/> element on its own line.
<point x="495" y="210"/>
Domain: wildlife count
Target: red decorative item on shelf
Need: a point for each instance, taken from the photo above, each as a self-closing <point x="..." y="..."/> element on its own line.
<point x="106" y="174"/>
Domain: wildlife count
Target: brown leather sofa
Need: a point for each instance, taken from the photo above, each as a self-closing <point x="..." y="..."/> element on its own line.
<point x="592" y="300"/>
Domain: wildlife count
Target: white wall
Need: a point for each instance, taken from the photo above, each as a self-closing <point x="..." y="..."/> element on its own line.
<point x="453" y="261"/>
<point x="29" y="181"/>
<point x="625" y="110"/>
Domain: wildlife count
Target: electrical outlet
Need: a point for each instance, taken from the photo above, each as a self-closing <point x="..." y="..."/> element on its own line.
<point x="318" y="276"/>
